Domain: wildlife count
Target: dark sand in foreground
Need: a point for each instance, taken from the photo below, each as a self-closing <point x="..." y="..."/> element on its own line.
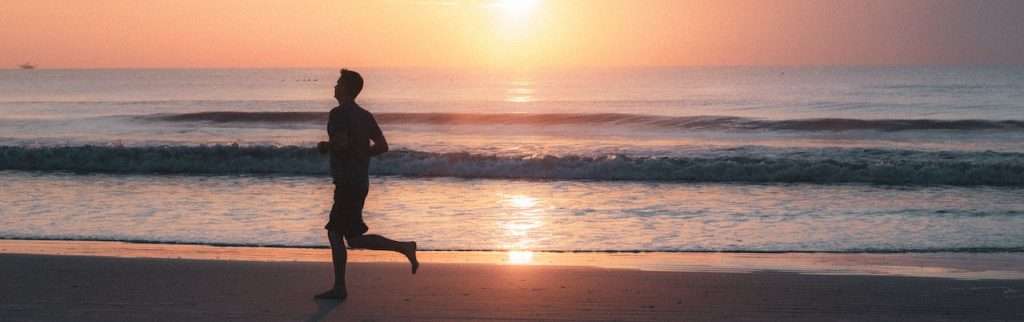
<point x="38" y="287"/>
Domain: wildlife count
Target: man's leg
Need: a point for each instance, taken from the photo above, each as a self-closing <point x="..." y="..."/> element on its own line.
<point x="378" y="242"/>
<point x="339" y="256"/>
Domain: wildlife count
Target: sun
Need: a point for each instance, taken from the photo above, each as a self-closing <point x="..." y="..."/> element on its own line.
<point x="517" y="8"/>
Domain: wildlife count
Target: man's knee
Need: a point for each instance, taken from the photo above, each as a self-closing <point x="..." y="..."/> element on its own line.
<point x="356" y="242"/>
<point x="335" y="239"/>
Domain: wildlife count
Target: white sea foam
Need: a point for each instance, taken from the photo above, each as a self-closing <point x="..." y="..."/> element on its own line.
<point x="747" y="164"/>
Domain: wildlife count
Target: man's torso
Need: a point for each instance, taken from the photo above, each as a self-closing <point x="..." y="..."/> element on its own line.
<point x="352" y="163"/>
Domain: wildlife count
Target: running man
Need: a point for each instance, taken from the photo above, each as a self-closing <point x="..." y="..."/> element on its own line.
<point x="351" y="130"/>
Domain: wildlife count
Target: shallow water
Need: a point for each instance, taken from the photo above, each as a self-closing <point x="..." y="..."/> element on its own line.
<point x="459" y="214"/>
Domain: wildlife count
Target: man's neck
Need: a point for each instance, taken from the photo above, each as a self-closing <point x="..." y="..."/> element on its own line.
<point x="344" y="102"/>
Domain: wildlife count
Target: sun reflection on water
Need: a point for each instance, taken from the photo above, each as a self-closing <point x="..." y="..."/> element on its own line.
<point x="520" y="92"/>
<point x="524" y="217"/>
<point x="522" y="201"/>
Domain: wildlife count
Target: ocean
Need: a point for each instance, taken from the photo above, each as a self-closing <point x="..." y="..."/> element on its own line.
<point x="737" y="159"/>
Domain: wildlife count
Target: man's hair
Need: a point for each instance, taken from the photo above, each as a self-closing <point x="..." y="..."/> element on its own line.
<point x="352" y="80"/>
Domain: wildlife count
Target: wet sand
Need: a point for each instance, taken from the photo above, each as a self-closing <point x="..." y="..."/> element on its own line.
<point x="88" y="288"/>
<point x="973" y="266"/>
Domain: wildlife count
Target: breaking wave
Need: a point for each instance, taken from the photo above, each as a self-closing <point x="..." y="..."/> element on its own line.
<point x="606" y="119"/>
<point x="748" y="165"/>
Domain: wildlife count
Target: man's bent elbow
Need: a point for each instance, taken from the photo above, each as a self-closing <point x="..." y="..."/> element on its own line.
<point x="379" y="147"/>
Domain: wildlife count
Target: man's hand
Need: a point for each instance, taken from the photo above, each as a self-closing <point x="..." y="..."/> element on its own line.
<point x="324" y="147"/>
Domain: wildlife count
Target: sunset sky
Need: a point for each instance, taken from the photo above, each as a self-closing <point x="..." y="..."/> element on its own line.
<point x="532" y="33"/>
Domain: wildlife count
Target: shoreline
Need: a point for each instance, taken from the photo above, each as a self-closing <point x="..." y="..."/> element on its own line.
<point x="969" y="250"/>
<point x="92" y="288"/>
<point x="964" y="266"/>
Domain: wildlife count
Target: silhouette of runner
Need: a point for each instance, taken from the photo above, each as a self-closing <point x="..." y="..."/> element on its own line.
<point x="351" y="129"/>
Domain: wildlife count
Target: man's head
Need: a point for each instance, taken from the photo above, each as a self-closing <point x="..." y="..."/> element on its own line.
<point x="349" y="85"/>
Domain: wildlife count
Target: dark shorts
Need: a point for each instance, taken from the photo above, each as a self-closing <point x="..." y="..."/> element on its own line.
<point x="347" y="212"/>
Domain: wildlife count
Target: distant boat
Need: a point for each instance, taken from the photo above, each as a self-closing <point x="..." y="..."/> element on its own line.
<point x="27" y="66"/>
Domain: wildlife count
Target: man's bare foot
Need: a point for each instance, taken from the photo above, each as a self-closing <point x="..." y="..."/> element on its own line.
<point x="332" y="294"/>
<point x="410" y="253"/>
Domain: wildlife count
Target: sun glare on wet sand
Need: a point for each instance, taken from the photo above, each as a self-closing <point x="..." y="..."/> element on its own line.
<point x="520" y="257"/>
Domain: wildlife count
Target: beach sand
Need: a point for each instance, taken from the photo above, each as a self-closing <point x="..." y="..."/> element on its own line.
<point x="93" y="288"/>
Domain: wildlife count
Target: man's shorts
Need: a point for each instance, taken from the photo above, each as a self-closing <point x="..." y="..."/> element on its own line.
<point x="347" y="212"/>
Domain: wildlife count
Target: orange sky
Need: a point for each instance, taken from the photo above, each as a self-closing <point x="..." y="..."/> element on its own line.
<point x="500" y="33"/>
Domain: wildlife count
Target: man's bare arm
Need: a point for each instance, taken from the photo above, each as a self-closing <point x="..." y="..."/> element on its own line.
<point x="380" y="145"/>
